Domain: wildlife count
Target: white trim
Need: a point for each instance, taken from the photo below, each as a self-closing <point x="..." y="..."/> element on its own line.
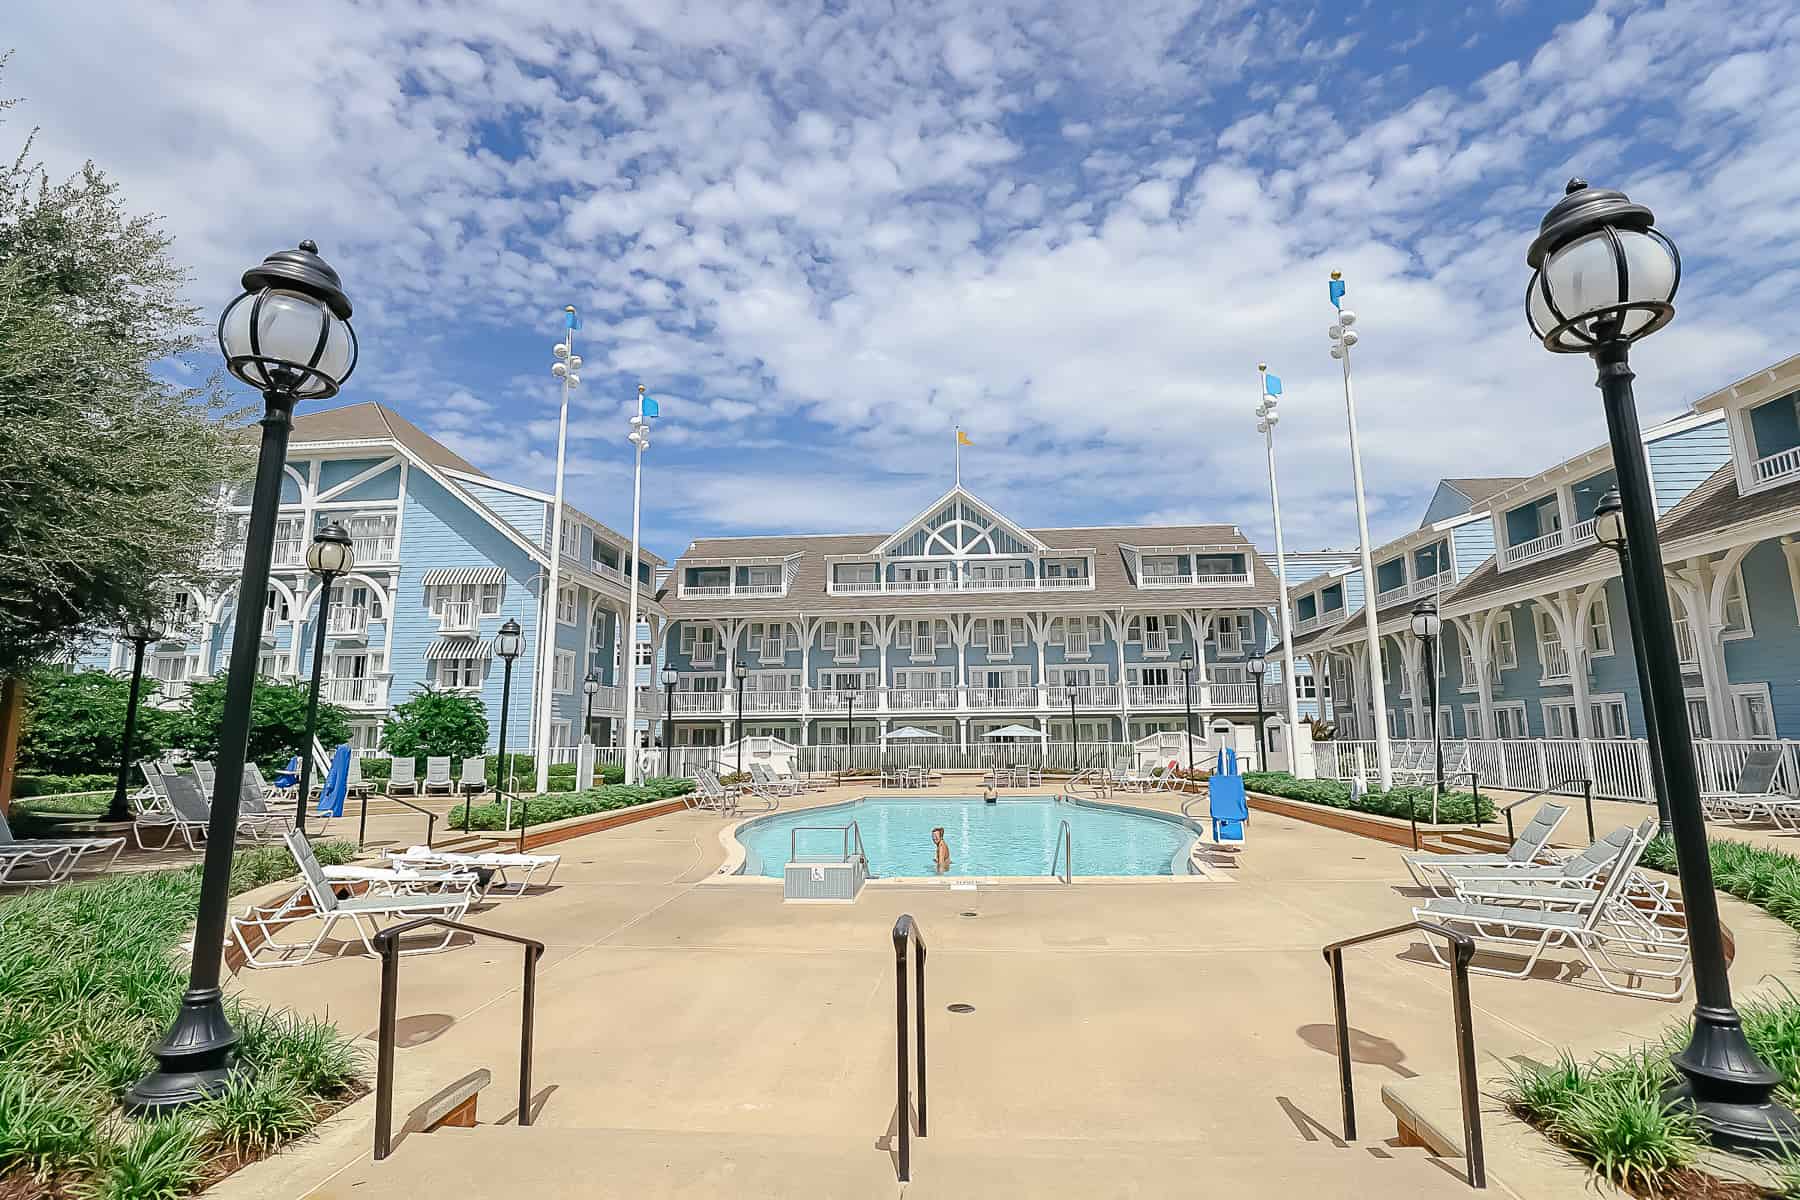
<point x="1758" y="691"/>
<point x="906" y="527"/>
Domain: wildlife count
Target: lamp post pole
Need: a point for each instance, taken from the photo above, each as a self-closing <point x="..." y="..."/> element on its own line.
<point x="639" y="437"/>
<point x="508" y="644"/>
<point x="589" y="686"/>
<point x="1187" y="698"/>
<point x="331" y="555"/>
<point x="1074" y="737"/>
<point x="668" y="679"/>
<point x="1580" y="302"/>
<point x="1343" y="336"/>
<point x="850" y="729"/>
<point x="141" y="637"/>
<point x="1426" y="626"/>
<point x="741" y="672"/>
<point x="1268" y="416"/>
<point x="566" y="368"/>
<point x="1609" y="530"/>
<point x="1258" y="666"/>
<point x="289" y="336"/>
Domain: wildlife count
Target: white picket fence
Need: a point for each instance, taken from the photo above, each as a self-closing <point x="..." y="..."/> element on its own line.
<point x="1620" y="768"/>
<point x="940" y="756"/>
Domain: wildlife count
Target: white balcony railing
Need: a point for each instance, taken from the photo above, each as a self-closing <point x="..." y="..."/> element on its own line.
<point x="839" y="699"/>
<point x="1006" y="697"/>
<point x="1429" y="585"/>
<point x="289" y="552"/>
<point x="699" y="702"/>
<point x="1779" y="465"/>
<point x="458" y="616"/>
<point x="1555" y="661"/>
<point x="1537" y="547"/>
<point x="1231" y="695"/>
<point x="1203" y="579"/>
<point x="846" y="650"/>
<point x="1388" y="595"/>
<point x="921" y="699"/>
<point x="904" y="587"/>
<point x="1093" y="695"/>
<point x="770" y="702"/>
<point x="366" y="692"/>
<point x="377" y="548"/>
<point x="1156" y="641"/>
<point x="348" y="620"/>
<point x="748" y="591"/>
<point x="1051" y="699"/>
<point x="1157" y="695"/>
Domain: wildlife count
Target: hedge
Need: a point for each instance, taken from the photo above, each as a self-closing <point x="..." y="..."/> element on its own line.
<point x="26" y="786"/>
<point x="1454" y="808"/>
<point x="540" y="810"/>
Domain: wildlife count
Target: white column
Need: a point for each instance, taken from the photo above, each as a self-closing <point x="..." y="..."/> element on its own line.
<point x="546" y="647"/>
<point x="639" y="437"/>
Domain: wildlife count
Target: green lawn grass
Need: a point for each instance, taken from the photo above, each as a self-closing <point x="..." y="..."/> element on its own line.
<point x="91" y="980"/>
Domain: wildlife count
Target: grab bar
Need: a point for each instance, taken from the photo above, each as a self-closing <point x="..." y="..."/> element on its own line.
<point x="387" y="943"/>
<point x="362" y="824"/>
<point x="906" y="931"/>
<point x="1462" y="950"/>
<point x="1065" y="849"/>
<point x="851" y="833"/>
<point x="1587" y="796"/>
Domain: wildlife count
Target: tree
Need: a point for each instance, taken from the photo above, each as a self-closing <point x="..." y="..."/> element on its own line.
<point x="277" y="721"/>
<point x="436" y="723"/>
<point x="74" y="722"/>
<point x="108" y="471"/>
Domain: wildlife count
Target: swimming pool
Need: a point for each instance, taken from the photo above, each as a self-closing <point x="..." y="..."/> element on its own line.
<point x="1011" y="837"/>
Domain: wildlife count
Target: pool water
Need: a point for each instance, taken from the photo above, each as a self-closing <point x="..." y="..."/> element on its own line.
<point x="1010" y="837"/>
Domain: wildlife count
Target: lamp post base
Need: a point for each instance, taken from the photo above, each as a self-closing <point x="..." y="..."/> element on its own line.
<point x="1730" y="1089"/>
<point x="193" y="1062"/>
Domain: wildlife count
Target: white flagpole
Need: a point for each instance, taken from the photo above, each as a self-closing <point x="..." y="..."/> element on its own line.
<point x="639" y="437"/>
<point x="1266" y="409"/>
<point x="959" y="456"/>
<point x="565" y="367"/>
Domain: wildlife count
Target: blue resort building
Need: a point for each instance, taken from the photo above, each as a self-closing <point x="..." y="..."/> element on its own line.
<point x="962" y="622"/>
<point x="1535" y="641"/>
<point x="444" y="555"/>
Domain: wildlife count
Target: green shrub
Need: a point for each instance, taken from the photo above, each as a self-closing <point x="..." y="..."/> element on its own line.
<point x="374" y="768"/>
<point x="46" y="1125"/>
<point x="164" y="1159"/>
<point x="435" y="723"/>
<point x="257" y="1112"/>
<point x="1612" y="1114"/>
<point x="75" y="722"/>
<point x="1769" y="879"/>
<point x="1453" y="807"/>
<point x="277" y="721"/>
<point x="541" y="810"/>
<point x="27" y="786"/>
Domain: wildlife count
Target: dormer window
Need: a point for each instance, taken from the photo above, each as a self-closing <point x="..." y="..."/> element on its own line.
<point x="1774" y="434"/>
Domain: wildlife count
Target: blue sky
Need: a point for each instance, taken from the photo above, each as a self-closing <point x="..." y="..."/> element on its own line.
<point x="823" y="235"/>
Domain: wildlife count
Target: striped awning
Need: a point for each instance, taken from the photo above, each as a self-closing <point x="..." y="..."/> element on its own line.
<point x="440" y="576"/>
<point x="459" y="647"/>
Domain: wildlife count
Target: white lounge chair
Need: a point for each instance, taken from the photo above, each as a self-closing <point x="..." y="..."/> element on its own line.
<point x="1612" y="935"/>
<point x="474" y="777"/>
<point x="710" y="794"/>
<point x="437" y="775"/>
<point x="1755" y="798"/>
<point x="157" y="799"/>
<point x="1565" y="882"/>
<point x="255" y="817"/>
<point x="190" y="816"/>
<point x="403" y="777"/>
<point x="56" y="857"/>
<point x="203" y="775"/>
<point x="316" y="898"/>
<point x="356" y="785"/>
<point x="762" y="777"/>
<point x="495" y="865"/>
<point x="1531" y="846"/>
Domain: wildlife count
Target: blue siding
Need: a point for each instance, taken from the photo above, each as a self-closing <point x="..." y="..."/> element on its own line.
<point x="522" y="512"/>
<point x="1446" y="502"/>
<point x="1617" y="672"/>
<point x="333" y="471"/>
<point x="1774" y="653"/>
<point x="1681" y="462"/>
<point x="1471" y="545"/>
<point x="385" y="486"/>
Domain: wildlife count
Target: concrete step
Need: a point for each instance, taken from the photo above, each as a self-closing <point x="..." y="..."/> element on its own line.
<point x="552" y="1163"/>
<point x="1470" y="841"/>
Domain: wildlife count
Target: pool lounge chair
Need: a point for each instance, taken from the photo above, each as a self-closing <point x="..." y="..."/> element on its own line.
<point x="1755" y="798"/>
<point x="761" y="776"/>
<point x="255" y="817"/>
<point x="190" y="816"/>
<point x="1532" y="846"/>
<point x="157" y="799"/>
<point x="474" y="777"/>
<point x="56" y="857"/>
<point x="1629" y="953"/>
<point x="316" y="898"/>
<point x="1564" y="882"/>
<point x="437" y="775"/>
<point x="495" y="865"/>
<point x="403" y="777"/>
<point x="710" y="794"/>
<point x="356" y="785"/>
<point x="204" y="775"/>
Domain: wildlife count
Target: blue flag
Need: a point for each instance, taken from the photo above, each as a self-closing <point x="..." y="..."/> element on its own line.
<point x="1337" y="293"/>
<point x="571" y="320"/>
<point x="1271" y="384"/>
<point x="647" y="406"/>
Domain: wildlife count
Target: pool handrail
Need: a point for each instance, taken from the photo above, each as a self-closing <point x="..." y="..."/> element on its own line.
<point x="852" y="834"/>
<point x="1065" y="849"/>
<point x="906" y="931"/>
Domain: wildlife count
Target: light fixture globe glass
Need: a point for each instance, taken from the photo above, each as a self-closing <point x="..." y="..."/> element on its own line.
<point x="289" y="332"/>
<point x="509" y="641"/>
<point x="591" y="684"/>
<point x="1601" y="272"/>
<point x="669" y="676"/>
<point x="1609" y="520"/>
<point x="1257" y="665"/>
<point x="1186" y="664"/>
<point x="1425" y="620"/>
<point x="739" y="671"/>
<point x="332" y="551"/>
<point x="145" y="631"/>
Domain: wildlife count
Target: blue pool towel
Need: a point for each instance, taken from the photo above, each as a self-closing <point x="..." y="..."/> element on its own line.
<point x="337" y="782"/>
<point x="289" y="775"/>
<point x="1226" y="802"/>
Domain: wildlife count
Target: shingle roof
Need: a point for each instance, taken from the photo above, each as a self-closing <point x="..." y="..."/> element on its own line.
<point x="1717" y="504"/>
<point x="1113" y="586"/>
<point x="1479" y="488"/>
<point x="369" y="420"/>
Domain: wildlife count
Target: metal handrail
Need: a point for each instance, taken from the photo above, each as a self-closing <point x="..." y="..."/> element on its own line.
<point x="387" y="943"/>
<point x="1474" y="778"/>
<point x="1065" y="847"/>
<point x="1462" y="950"/>
<point x="1587" y="799"/>
<point x="362" y="824"/>
<point x="906" y="930"/>
<point x="852" y="833"/>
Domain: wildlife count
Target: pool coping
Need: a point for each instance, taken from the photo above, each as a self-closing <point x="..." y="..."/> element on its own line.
<point x="730" y="872"/>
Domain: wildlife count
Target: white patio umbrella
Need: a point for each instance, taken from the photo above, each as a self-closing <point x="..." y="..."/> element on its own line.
<point x="1016" y="731"/>
<point x="912" y="733"/>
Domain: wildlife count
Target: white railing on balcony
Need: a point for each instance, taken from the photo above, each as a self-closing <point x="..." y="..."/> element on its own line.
<point x="1555" y="661"/>
<point x="374" y="548"/>
<point x="1156" y="641"/>
<point x="1093" y="695"/>
<point x="902" y="587"/>
<point x="348" y="620"/>
<point x="1537" y="547"/>
<point x="1052" y="698"/>
<point x="839" y="699"/>
<point x="1232" y="695"/>
<point x="768" y="702"/>
<point x="1157" y="695"/>
<point x="1005" y="697"/>
<point x="1779" y="465"/>
<point x="921" y="699"/>
<point x="289" y="552"/>
<point x="750" y="591"/>
<point x="458" y="616"/>
<point x="1230" y="641"/>
<point x="365" y="692"/>
<point x="183" y="629"/>
<point x="1387" y="595"/>
<point x="846" y="650"/>
<point x="1429" y="585"/>
<point x="699" y="702"/>
<point x="1203" y="579"/>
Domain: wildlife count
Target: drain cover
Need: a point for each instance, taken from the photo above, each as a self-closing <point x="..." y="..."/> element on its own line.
<point x="962" y="1008"/>
<point x="969" y="912"/>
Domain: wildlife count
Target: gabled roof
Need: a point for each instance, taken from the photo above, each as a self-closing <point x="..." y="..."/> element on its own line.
<point x="369" y="421"/>
<point x="1480" y="488"/>
<point x="959" y="492"/>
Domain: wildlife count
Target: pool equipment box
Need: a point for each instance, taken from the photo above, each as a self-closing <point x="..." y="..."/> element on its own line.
<point x="836" y="881"/>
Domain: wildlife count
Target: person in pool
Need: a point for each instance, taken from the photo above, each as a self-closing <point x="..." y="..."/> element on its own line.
<point x="943" y="849"/>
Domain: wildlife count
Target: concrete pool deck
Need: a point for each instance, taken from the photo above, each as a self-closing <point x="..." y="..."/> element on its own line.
<point x="1128" y="1038"/>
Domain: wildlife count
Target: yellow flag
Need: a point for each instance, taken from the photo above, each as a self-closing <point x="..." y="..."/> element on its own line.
<point x="962" y="439"/>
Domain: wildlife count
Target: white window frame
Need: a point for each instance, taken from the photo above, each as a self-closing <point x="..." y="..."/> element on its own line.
<point x="568" y="603"/>
<point x="1472" y="722"/>
<point x="1700" y="722"/>
<point x="1743" y="695"/>
<point x="1736" y="593"/>
<point x="1516" y="710"/>
<point x="1599" y="624"/>
<point x="1561" y="721"/>
<point x="1609" y="706"/>
<point x="563" y="681"/>
<point x="1505" y="649"/>
<point x="457" y="674"/>
<point x="493" y="595"/>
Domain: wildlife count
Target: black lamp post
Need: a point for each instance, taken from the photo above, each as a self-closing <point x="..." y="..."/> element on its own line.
<point x="1603" y="277"/>
<point x="288" y="335"/>
<point x="590" y="686"/>
<point x="850" y="729"/>
<point x="668" y="682"/>
<point x="1187" y="696"/>
<point x="331" y="555"/>
<point x="140" y="637"/>
<point x="740" y="672"/>
<point x="1427" y="626"/>
<point x="1074" y="737"/>
<point x="1257" y="666"/>
<point x="509" y="643"/>
<point x="1609" y="531"/>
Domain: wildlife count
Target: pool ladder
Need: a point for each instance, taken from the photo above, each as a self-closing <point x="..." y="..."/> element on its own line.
<point x="1065" y="851"/>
